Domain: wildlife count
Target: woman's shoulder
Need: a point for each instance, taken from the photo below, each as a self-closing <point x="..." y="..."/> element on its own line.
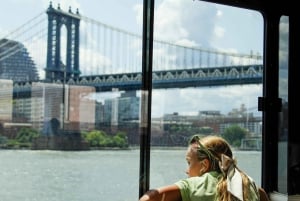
<point x="207" y="179"/>
<point x="199" y="188"/>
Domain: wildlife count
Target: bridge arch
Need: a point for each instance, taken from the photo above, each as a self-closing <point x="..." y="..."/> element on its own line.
<point x="55" y="68"/>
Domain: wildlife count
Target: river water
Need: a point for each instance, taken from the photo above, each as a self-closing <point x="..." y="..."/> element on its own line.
<point x="94" y="175"/>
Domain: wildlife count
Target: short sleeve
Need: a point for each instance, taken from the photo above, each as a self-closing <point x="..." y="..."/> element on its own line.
<point x="198" y="188"/>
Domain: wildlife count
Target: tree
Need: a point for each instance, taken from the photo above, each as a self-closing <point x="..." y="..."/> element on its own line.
<point x="98" y="138"/>
<point x="234" y="134"/>
<point x="120" y="140"/>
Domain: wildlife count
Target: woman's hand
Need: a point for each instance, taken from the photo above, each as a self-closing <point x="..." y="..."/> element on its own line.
<point x="166" y="193"/>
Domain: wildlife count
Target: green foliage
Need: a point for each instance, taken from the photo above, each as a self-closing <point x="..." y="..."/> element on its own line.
<point x="26" y="135"/>
<point x="120" y="140"/>
<point x="97" y="138"/>
<point x="12" y="144"/>
<point x="234" y="134"/>
<point x="24" y="139"/>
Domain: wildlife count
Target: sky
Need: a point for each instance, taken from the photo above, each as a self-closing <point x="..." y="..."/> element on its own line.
<point x="217" y="26"/>
<point x="184" y="22"/>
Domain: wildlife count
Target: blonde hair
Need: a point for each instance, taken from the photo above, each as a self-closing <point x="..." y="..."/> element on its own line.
<point x="212" y="147"/>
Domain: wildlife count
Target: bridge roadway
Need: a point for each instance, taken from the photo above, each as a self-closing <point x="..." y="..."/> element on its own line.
<point x="181" y="78"/>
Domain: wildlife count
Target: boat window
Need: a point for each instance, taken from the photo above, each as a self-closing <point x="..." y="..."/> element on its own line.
<point x="70" y="77"/>
<point x="207" y="77"/>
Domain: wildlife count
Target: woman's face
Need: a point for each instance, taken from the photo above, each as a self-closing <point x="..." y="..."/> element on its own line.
<point x="195" y="166"/>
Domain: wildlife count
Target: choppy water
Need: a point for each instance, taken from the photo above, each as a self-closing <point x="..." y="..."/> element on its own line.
<point x="93" y="175"/>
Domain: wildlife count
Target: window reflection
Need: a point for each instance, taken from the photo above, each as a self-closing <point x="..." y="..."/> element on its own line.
<point x="69" y="116"/>
<point x="283" y="94"/>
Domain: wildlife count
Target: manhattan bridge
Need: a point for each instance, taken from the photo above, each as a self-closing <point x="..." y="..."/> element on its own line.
<point x="71" y="48"/>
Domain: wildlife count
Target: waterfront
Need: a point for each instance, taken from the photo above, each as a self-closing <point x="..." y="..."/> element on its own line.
<point x="94" y="175"/>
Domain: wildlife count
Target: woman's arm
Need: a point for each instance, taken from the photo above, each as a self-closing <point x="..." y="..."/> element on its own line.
<point x="166" y="193"/>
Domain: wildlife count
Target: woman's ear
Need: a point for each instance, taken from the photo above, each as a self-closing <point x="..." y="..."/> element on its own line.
<point x="206" y="165"/>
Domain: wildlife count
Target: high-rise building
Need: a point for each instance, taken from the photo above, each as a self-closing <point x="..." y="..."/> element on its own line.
<point x="122" y="109"/>
<point x="15" y="62"/>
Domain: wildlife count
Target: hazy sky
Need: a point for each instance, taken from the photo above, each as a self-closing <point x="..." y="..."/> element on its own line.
<point x="185" y="22"/>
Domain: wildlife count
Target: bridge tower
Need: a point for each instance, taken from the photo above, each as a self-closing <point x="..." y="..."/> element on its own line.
<point x="56" y="68"/>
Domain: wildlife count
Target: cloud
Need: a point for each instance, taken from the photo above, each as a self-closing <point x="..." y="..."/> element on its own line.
<point x="181" y="20"/>
<point x="283" y="57"/>
<point x="190" y="101"/>
<point x="219" y="13"/>
<point x="284" y="34"/>
<point x="219" y="31"/>
<point x="138" y="9"/>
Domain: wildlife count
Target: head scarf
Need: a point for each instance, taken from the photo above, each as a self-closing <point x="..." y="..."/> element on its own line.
<point x="233" y="176"/>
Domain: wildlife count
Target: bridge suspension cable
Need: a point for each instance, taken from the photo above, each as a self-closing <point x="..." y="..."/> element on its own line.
<point x="118" y="51"/>
<point x="27" y="36"/>
<point x="105" y="49"/>
<point x="26" y="26"/>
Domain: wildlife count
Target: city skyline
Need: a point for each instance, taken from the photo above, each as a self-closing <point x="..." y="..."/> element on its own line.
<point x="243" y="36"/>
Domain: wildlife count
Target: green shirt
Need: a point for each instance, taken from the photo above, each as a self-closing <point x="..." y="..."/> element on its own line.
<point x="203" y="187"/>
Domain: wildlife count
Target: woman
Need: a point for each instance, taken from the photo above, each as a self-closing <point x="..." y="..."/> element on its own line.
<point x="212" y="176"/>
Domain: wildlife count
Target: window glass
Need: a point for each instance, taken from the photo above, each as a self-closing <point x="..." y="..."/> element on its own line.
<point x="70" y="100"/>
<point x="283" y="94"/>
<point x="207" y="76"/>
